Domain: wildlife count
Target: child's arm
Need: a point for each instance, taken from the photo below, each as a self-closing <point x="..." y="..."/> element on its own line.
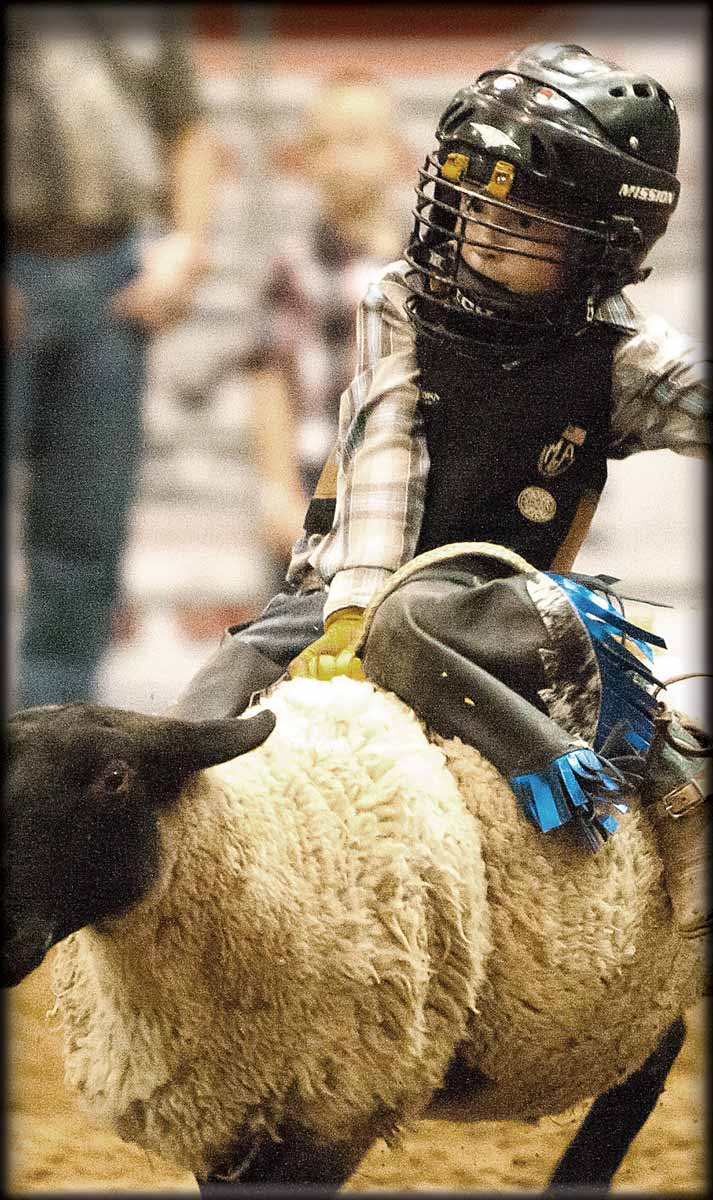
<point x="383" y="466"/>
<point x="660" y="391"/>
<point x="382" y="456"/>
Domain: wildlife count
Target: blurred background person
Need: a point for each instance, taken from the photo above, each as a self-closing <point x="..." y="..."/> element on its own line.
<point x="106" y="129"/>
<point x="349" y="155"/>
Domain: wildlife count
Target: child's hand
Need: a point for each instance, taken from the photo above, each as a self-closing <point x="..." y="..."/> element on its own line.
<point x="334" y="652"/>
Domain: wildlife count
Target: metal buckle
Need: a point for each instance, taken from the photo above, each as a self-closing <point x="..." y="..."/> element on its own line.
<point x="682" y="800"/>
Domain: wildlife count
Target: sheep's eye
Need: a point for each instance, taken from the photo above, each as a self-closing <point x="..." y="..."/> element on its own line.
<point x="116" y="778"/>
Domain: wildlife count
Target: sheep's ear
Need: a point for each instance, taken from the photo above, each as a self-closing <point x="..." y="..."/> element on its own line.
<point x="186" y="746"/>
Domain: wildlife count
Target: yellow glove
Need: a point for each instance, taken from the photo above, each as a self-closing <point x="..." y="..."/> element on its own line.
<point x="333" y="653"/>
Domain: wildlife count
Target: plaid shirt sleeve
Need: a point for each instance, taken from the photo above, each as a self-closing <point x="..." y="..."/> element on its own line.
<point x="660" y="390"/>
<point x="382" y="455"/>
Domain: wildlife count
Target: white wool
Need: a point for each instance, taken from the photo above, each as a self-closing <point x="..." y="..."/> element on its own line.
<point x="314" y="947"/>
<point x="587" y="969"/>
<point x="337" y="912"/>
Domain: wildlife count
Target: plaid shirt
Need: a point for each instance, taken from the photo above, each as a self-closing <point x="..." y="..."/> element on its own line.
<point x="659" y="401"/>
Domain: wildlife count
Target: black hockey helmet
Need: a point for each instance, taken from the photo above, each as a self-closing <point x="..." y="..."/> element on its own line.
<point x="593" y="148"/>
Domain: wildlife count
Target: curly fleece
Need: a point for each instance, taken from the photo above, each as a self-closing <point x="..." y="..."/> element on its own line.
<point x="587" y="969"/>
<point x="338" y="913"/>
<point x="314" y="947"/>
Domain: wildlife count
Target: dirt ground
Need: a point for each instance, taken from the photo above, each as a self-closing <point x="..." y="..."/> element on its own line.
<point x="51" y="1147"/>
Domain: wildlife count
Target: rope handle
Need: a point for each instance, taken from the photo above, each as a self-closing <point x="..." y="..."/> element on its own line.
<point x="664" y="716"/>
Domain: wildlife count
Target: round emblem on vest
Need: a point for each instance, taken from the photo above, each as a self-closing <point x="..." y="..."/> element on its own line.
<point x="537" y="504"/>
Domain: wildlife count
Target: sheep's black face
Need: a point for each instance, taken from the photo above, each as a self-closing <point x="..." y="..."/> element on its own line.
<point x="80" y="838"/>
<point x="80" y="831"/>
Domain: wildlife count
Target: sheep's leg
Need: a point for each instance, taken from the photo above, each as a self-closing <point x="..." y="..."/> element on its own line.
<point x="599" y="1147"/>
<point x="297" y="1160"/>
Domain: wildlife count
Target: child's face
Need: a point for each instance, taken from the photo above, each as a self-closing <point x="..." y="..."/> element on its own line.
<point x="529" y="272"/>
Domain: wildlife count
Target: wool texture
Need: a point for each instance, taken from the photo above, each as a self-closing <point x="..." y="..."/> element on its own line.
<point x="342" y="911"/>
<point x="313" y="949"/>
<point x="587" y="969"/>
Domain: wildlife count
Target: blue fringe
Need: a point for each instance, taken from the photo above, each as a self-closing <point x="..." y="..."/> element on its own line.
<point x="577" y="784"/>
<point x="625" y="678"/>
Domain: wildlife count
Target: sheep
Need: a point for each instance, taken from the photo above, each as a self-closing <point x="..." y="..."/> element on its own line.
<point x="349" y="928"/>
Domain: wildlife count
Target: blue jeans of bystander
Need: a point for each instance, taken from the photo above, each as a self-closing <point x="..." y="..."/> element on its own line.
<point x="76" y="384"/>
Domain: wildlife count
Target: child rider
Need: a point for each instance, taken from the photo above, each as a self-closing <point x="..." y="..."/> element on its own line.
<point x="499" y="367"/>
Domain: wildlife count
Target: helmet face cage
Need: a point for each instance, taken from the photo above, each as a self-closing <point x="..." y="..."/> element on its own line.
<point x="556" y="158"/>
<point x="451" y="216"/>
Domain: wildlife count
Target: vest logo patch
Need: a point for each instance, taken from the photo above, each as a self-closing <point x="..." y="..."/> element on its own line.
<point x="559" y="455"/>
<point x="537" y="504"/>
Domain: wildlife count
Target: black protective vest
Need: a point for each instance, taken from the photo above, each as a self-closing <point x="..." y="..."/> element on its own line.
<point x="518" y="457"/>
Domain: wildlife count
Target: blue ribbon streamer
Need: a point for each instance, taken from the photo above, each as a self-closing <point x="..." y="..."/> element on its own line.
<point x="624" y="677"/>
<point x="577" y="784"/>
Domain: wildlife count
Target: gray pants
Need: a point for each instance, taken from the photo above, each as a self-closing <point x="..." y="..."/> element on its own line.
<point x="462" y="646"/>
<point x="453" y="630"/>
<point x="252" y="656"/>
